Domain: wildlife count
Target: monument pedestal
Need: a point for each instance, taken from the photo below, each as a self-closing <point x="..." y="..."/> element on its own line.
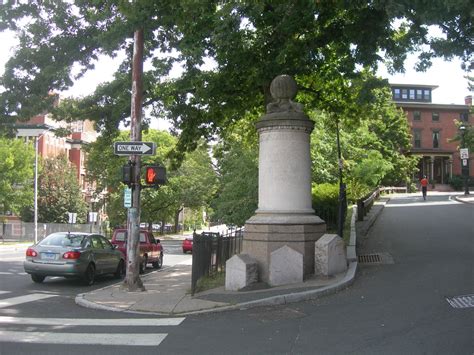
<point x="265" y="234"/>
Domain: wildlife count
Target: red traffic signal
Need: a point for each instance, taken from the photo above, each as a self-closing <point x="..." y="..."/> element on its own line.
<point x="155" y="175"/>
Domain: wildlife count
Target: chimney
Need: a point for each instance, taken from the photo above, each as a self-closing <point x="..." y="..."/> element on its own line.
<point x="468" y="100"/>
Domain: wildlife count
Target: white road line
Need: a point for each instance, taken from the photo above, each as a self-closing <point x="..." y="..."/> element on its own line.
<point x="8" y="302"/>
<point x="2" y="292"/>
<point x="83" y="338"/>
<point x="150" y="322"/>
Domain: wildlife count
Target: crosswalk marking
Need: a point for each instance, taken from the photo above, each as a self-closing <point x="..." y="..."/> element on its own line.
<point x="82" y="338"/>
<point x="8" y="302"/>
<point x="94" y="322"/>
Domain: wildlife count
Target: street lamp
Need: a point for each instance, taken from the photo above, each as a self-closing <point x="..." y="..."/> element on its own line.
<point x="35" y="218"/>
<point x="342" y="187"/>
<point x="464" y="155"/>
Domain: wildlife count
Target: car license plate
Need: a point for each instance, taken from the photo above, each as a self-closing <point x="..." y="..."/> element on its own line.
<point x="49" y="256"/>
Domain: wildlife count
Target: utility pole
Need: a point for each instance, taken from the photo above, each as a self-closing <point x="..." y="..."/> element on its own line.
<point x="132" y="280"/>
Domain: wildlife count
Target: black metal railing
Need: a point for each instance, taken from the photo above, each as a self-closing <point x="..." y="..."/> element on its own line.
<point x="365" y="204"/>
<point x="211" y="251"/>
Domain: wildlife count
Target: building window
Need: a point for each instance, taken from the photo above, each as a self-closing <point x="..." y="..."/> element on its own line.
<point x="426" y="95"/>
<point x="404" y="94"/>
<point x="435" y="139"/>
<point x="464" y="116"/>
<point x="419" y="94"/>
<point x="396" y="93"/>
<point x="435" y="116"/>
<point x="417" y="138"/>
<point x="412" y="94"/>
<point x="416" y="115"/>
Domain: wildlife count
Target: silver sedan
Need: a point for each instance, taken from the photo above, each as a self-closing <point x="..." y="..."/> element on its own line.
<point x="73" y="254"/>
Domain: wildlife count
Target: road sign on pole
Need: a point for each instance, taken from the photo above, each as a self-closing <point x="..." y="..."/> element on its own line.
<point x="464" y="152"/>
<point x="134" y="148"/>
<point x="127" y="197"/>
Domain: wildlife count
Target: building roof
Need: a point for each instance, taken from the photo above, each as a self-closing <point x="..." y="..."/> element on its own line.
<point x="430" y="105"/>
<point x="417" y="86"/>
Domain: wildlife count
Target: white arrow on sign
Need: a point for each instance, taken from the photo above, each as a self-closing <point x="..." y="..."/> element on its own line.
<point x="132" y="148"/>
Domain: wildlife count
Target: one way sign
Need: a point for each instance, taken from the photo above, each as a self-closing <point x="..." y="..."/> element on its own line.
<point x="134" y="148"/>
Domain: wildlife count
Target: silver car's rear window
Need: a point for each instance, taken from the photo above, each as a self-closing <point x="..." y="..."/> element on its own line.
<point x="63" y="240"/>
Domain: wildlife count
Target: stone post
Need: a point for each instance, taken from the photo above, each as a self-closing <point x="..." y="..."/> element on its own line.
<point x="285" y="216"/>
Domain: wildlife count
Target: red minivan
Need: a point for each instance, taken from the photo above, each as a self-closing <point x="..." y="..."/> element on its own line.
<point x="151" y="250"/>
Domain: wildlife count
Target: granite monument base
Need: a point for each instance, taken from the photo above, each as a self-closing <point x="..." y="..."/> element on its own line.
<point x="265" y="234"/>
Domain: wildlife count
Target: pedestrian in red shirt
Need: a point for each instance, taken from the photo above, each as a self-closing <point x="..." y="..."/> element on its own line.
<point x="424" y="186"/>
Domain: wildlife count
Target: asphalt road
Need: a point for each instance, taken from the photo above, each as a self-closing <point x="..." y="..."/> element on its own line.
<point x="397" y="307"/>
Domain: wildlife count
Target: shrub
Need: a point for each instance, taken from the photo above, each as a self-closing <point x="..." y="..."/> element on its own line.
<point x="456" y="182"/>
<point x="325" y="199"/>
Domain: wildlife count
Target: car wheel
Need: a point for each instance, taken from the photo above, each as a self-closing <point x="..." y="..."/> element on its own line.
<point x="120" y="272"/>
<point x="37" y="278"/>
<point x="143" y="265"/>
<point x="159" y="263"/>
<point x="89" y="275"/>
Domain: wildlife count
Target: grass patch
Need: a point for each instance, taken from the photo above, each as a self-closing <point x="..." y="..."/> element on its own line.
<point x="215" y="280"/>
<point x="347" y="225"/>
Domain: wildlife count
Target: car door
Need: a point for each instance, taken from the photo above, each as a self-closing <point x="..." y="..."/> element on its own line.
<point x="111" y="256"/>
<point x="154" y="247"/>
<point x="100" y="255"/>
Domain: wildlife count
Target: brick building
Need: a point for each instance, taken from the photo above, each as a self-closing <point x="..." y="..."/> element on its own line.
<point x="432" y="126"/>
<point x="42" y="127"/>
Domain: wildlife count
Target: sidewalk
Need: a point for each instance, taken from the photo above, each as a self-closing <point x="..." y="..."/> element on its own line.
<point x="168" y="290"/>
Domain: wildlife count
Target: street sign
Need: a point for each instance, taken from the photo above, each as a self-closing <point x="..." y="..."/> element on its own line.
<point x="464" y="152"/>
<point x="72" y="217"/>
<point x="93" y="217"/>
<point x="127" y="197"/>
<point x="134" y="148"/>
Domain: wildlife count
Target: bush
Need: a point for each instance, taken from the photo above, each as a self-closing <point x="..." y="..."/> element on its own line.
<point x="457" y="182"/>
<point x="325" y="199"/>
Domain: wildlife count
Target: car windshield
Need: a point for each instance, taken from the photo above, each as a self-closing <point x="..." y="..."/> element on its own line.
<point x="63" y="240"/>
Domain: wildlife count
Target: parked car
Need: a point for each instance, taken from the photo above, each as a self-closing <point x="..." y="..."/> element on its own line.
<point x="151" y="250"/>
<point x="82" y="255"/>
<point x="187" y="244"/>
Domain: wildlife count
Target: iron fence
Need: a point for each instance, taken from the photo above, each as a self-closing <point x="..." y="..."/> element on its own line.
<point x="211" y="251"/>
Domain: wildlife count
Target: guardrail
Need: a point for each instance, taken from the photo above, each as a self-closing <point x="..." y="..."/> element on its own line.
<point x="365" y="204"/>
<point x="211" y="251"/>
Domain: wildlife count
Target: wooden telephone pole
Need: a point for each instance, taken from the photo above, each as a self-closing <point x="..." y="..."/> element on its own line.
<point x="132" y="280"/>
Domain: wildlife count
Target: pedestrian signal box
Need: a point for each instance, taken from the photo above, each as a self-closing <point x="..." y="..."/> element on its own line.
<point x="155" y="175"/>
<point x="127" y="174"/>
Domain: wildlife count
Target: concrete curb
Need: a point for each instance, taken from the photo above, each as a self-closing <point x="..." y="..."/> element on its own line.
<point x="291" y="297"/>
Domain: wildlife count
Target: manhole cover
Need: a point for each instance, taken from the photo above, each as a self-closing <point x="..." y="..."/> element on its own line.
<point x="466" y="301"/>
<point x="375" y="258"/>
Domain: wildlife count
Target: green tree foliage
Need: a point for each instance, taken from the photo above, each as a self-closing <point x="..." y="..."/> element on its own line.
<point x="190" y="185"/>
<point x="16" y="175"/>
<point x="247" y="43"/>
<point x="237" y="167"/>
<point x="59" y="192"/>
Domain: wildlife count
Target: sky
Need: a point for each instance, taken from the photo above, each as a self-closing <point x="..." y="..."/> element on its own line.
<point x="448" y="76"/>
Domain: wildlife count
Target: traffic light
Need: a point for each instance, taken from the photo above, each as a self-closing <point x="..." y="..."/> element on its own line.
<point x="155" y="175"/>
<point x="127" y="174"/>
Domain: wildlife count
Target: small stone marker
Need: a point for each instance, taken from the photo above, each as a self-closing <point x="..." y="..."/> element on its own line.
<point x="240" y="271"/>
<point x="330" y="255"/>
<point x="286" y="266"/>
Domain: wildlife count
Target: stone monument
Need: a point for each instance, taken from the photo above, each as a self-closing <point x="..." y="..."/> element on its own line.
<point x="285" y="216"/>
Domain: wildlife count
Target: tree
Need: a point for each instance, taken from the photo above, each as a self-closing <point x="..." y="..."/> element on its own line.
<point x="59" y="192"/>
<point x="16" y="175"/>
<point x="248" y="42"/>
<point x="236" y="157"/>
<point x="191" y="185"/>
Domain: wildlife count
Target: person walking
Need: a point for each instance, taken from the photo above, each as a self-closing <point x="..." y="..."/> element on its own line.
<point x="424" y="186"/>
